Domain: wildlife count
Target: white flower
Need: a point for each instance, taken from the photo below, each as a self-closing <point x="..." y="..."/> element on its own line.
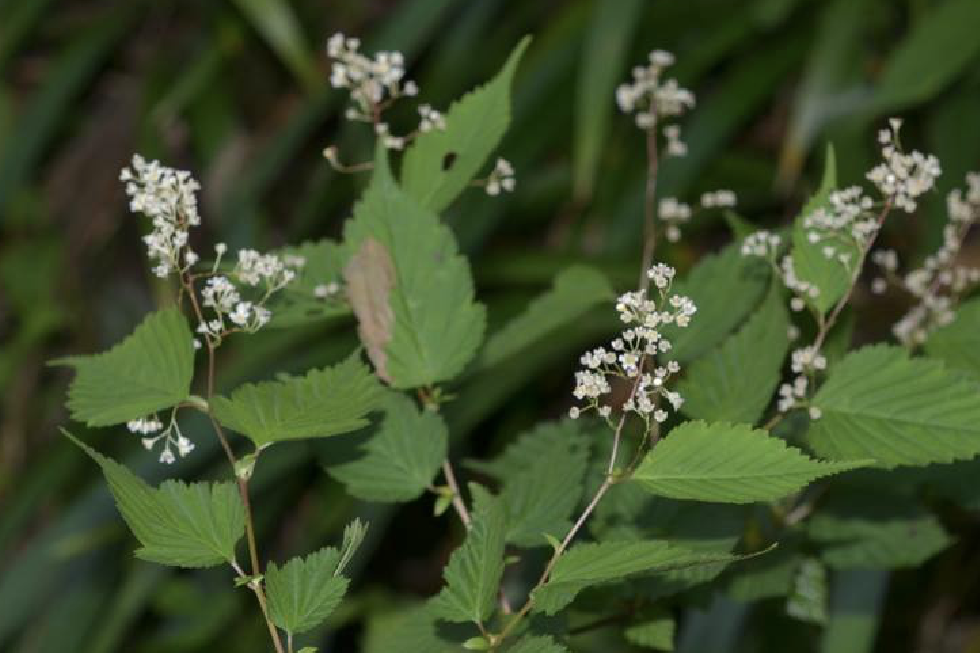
<point x="652" y="99"/>
<point x="371" y="81"/>
<point x="629" y="357"/>
<point x="167" y="197"/>
<point x="501" y="178"/>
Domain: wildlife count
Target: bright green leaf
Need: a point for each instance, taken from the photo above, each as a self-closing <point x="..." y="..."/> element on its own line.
<point x="736" y="380"/>
<point x="325" y="402"/>
<point x="586" y="565"/>
<point x="829" y="276"/>
<point x="576" y="290"/>
<point x="474" y="570"/>
<point x="410" y="289"/>
<point x="181" y="525"/>
<point x="401" y="459"/>
<point x="878" y="403"/>
<point x="148" y="371"/>
<point x="304" y="591"/>
<point x="730" y="463"/>
<point x="440" y="163"/>
<point x="958" y="343"/>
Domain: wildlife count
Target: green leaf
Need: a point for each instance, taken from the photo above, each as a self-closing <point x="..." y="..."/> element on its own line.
<point x="474" y="570"/>
<point x="440" y="164"/>
<point x="729" y="463"/>
<point x="576" y="290"/>
<point x="329" y="401"/>
<point x="958" y="343"/>
<point x="304" y="591"/>
<point x="148" y="371"/>
<point x="879" y="403"/>
<point x="542" y="476"/>
<point x="868" y="530"/>
<point x="725" y="287"/>
<point x="536" y="644"/>
<point x="586" y="565"/>
<point x="401" y="459"/>
<point x="410" y="289"/>
<point x="940" y="48"/>
<point x="412" y="628"/>
<point x="831" y="277"/>
<point x="656" y="631"/>
<point x="181" y="525"/>
<point x="298" y="303"/>
<point x="735" y="381"/>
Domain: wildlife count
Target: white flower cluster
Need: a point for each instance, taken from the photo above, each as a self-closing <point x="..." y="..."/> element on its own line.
<point x="371" y="81"/>
<point x="430" y="119"/>
<point x="147" y="426"/>
<point x="629" y="354"/>
<point x="902" y="177"/>
<point x="267" y="271"/>
<point x="501" y="178"/>
<point x="847" y="222"/>
<point x="804" y="362"/>
<point x="800" y="288"/>
<point x="762" y="243"/>
<point x="719" y="199"/>
<point x="167" y="197"/>
<point x="938" y="284"/>
<point x="674" y="213"/>
<point x="326" y="290"/>
<point x="653" y="99"/>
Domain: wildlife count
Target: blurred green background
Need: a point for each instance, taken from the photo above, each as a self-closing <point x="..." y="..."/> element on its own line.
<point x="235" y="90"/>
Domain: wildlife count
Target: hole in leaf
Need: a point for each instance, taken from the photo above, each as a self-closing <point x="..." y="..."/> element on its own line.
<point x="448" y="161"/>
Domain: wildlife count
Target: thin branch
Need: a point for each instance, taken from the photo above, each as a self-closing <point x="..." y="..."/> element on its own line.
<point x="458" y="503"/>
<point x="242" y="483"/>
<point x="650" y="207"/>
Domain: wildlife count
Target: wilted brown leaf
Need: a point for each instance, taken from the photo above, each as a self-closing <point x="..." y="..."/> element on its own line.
<point x="370" y="276"/>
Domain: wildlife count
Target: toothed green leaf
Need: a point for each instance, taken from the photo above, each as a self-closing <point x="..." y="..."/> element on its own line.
<point x="474" y="570"/>
<point x="441" y="163"/>
<point x="729" y="463"/>
<point x="409" y="287"/>
<point x="401" y="459"/>
<point x="328" y="401"/>
<point x="178" y="524"/>
<point x="148" y="371"/>
<point x="735" y="381"/>
<point x="585" y="565"/>
<point x="881" y="404"/>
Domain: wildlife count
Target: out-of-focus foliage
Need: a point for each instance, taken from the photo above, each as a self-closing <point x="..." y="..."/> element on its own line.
<point x="237" y="92"/>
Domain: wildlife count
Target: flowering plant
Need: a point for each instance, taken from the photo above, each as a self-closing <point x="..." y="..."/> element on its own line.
<point x="687" y="408"/>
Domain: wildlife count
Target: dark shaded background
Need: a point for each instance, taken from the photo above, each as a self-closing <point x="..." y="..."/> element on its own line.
<point x="235" y="90"/>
